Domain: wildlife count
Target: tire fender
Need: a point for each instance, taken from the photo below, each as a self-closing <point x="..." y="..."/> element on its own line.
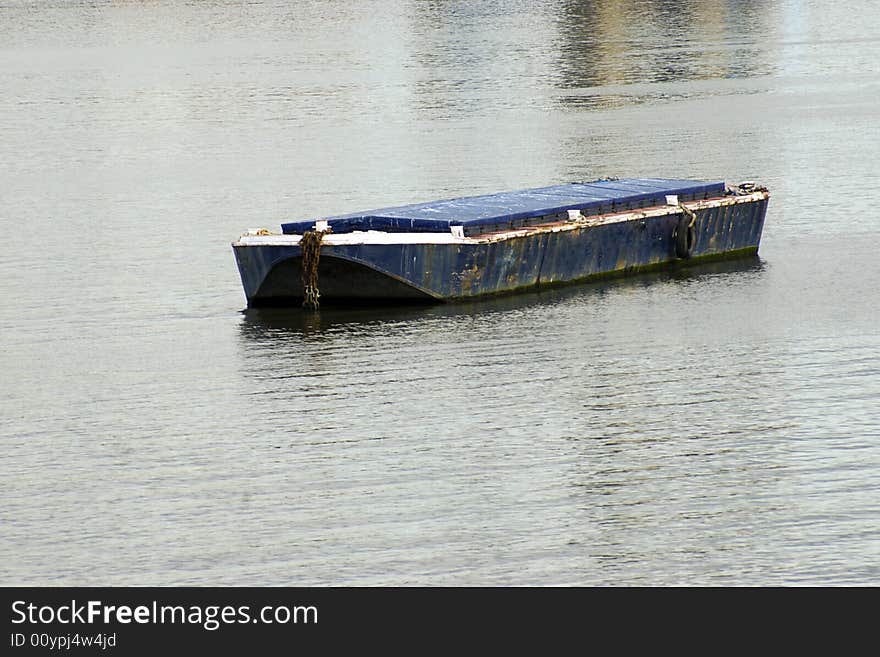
<point x="684" y="235"/>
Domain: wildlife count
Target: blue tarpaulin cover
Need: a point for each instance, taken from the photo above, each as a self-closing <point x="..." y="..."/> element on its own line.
<point x="507" y="209"/>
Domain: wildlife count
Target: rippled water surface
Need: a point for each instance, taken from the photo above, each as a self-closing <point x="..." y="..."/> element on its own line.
<point x="713" y="425"/>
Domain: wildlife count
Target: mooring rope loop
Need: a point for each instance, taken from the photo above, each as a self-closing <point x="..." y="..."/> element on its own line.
<point x="748" y="187"/>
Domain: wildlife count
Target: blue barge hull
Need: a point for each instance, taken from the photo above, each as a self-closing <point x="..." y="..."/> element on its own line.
<point x="553" y="237"/>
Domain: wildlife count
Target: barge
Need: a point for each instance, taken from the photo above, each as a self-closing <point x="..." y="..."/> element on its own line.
<point x="476" y="246"/>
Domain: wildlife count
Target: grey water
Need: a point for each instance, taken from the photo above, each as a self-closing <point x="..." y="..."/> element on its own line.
<point x="718" y="425"/>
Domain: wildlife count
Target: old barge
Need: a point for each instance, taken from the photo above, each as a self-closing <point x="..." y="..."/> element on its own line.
<point x="499" y="243"/>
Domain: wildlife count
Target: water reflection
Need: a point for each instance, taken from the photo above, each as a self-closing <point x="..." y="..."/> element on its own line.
<point x="621" y="53"/>
<point x="262" y="325"/>
<point x="475" y="57"/>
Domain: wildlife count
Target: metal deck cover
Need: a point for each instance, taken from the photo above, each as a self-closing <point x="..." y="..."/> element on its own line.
<point x="517" y="206"/>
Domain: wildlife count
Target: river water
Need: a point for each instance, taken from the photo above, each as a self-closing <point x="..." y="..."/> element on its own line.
<point x="712" y="426"/>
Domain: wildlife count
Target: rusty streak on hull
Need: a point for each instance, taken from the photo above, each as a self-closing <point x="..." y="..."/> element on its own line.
<point x="407" y="267"/>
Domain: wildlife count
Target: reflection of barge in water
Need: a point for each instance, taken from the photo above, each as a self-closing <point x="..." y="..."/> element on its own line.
<point x="469" y="247"/>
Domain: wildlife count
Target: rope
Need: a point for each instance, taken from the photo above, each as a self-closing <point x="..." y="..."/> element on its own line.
<point x="690" y="213"/>
<point x="311" y="254"/>
<point x="748" y="187"/>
